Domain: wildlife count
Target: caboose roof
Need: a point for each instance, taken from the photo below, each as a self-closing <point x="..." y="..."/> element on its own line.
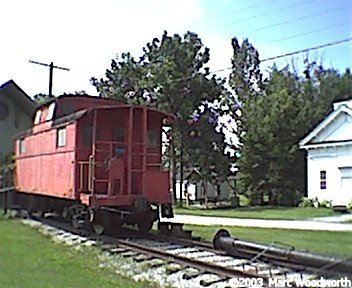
<point x="78" y="96"/>
<point x="79" y="114"/>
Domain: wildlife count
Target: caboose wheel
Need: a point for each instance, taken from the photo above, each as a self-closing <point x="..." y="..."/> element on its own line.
<point x="107" y="222"/>
<point x="76" y="214"/>
<point x="144" y="225"/>
<point x="96" y="218"/>
<point x="98" y="229"/>
<point x="146" y="220"/>
<point x="76" y="223"/>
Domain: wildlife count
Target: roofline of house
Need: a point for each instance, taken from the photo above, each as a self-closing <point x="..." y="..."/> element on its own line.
<point x="323" y="124"/>
<point x="11" y="81"/>
<point x="327" y="144"/>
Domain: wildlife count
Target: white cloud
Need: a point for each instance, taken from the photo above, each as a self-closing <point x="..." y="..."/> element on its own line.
<point x="220" y="54"/>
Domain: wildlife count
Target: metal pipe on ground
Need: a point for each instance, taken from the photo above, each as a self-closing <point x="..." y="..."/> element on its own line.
<point x="277" y="255"/>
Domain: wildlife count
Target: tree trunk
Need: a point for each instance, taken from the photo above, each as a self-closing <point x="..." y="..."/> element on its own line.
<point x="218" y="192"/>
<point x="181" y="173"/>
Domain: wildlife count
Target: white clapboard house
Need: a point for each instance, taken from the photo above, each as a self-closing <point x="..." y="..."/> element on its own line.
<point x="329" y="156"/>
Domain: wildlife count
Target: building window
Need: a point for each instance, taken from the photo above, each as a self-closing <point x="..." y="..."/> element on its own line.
<point x="61" y="137"/>
<point x="322" y="179"/>
<point x="22" y="146"/>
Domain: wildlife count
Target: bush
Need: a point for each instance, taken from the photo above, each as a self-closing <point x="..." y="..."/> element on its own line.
<point x="349" y="205"/>
<point x="255" y="197"/>
<point x="305" y="202"/>
<point x="244" y="200"/>
<point x="6" y="170"/>
<point x="325" y="204"/>
<point x="288" y="198"/>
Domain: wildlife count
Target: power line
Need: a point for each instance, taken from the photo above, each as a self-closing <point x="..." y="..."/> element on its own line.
<point x="251" y="7"/>
<point x="217" y="24"/>
<point x="309" y="32"/>
<point x="268" y="12"/>
<point x="337" y="42"/>
<point x="329" y="11"/>
<point x="274" y="11"/>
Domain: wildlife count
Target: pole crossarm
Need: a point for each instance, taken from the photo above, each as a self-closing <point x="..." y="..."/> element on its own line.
<point x="51" y="68"/>
<point x="49" y="65"/>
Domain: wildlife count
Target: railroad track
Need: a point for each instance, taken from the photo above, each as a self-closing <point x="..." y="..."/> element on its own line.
<point x="179" y="262"/>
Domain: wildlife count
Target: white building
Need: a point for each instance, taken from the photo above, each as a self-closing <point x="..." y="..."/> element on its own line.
<point x="329" y="156"/>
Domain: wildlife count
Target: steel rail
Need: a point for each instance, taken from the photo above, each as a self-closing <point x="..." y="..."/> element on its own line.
<point x="201" y="265"/>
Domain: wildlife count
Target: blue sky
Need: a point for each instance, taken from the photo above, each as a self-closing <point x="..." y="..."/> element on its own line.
<point x="277" y="27"/>
<point x="85" y="35"/>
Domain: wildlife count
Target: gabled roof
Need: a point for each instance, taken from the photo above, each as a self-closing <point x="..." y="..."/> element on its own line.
<point x="340" y="109"/>
<point x="17" y="95"/>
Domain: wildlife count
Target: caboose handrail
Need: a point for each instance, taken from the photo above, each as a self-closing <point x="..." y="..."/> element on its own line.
<point x="91" y="174"/>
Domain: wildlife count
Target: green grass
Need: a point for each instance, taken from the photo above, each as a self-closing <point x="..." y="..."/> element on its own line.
<point x="322" y="242"/>
<point x="29" y="259"/>
<point x="259" y="212"/>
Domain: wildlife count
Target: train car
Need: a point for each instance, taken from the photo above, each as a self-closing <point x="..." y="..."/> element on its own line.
<point x="94" y="160"/>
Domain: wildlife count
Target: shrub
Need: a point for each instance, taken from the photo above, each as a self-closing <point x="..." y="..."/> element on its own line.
<point x="325" y="203"/>
<point x="255" y="197"/>
<point x="314" y="202"/>
<point x="349" y="205"/>
<point x="305" y="202"/>
<point x="287" y="197"/>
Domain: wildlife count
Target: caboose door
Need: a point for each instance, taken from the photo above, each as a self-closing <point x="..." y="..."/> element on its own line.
<point x="107" y="164"/>
<point x="136" y="152"/>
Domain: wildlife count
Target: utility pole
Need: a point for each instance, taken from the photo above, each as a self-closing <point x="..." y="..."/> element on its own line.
<point x="51" y="70"/>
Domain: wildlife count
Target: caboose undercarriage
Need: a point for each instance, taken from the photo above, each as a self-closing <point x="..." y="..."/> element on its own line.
<point x="100" y="219"/>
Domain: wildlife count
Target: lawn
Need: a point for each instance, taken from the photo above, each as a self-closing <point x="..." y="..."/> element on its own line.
<point x="322" y="242"/>
<point x="259" y="212"/>
<point x="29" y="259"/>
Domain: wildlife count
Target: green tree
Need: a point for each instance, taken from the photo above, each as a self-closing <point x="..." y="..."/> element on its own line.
<point x="245" y="78"/>
<point x="246" y="81"/>
<point x="42" y="98"/>
<point x="206" y="148"/>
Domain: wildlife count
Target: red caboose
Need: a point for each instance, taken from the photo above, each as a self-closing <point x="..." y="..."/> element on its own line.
<point x="94" y="158"/>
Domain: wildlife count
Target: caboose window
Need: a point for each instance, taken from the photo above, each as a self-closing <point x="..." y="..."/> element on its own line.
<point x="37" y="117"/>
<point x="152" y="139"/>
<point x="61" y="137"/>
<point x="119" y="134"/>
<point x="22" y="146"/>
<point x="51" y="110"/>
